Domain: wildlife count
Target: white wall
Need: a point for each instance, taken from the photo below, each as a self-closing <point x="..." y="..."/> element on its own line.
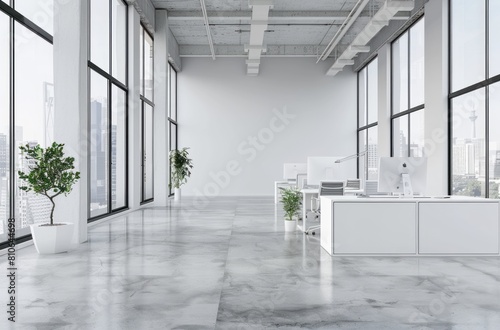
<point x="220" y="109"/>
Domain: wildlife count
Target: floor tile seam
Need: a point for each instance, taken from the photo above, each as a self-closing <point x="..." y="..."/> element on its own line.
<point x="225" y="268"/>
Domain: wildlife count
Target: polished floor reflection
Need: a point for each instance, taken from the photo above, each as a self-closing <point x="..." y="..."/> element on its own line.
<point x="227" y="264"/>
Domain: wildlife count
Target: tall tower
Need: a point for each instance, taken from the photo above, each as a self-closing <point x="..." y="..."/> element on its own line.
<point x="473" y="118"/>
<point x="3" y="155"/>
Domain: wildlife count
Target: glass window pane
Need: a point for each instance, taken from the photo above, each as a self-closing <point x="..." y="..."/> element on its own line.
<point x="173" y="94"/>
<point x="148" y="68"/>
<point x="417" y="139"/>
<point x="173" y="136"/>
<point x="372" y="153"/>
<point x="99" y="33"/>
<point x="98" y="145"/>
<point x="400" y="74"/>
<point x="32" y="118"/>
<point x="468" y="164"/>
<point x="417" y="49"/>
<point x="494" y="138"/>
<point x="373" y="91"/>
<point x="172" y="145"/>
<point x="141" y="66"/>
<point x="467" y="43"/>
<point x="362" y="97"/>
<point x="400" y="136"/>
<point x="362" y="147"/>
<point x="169" y="110"/>
<point x="148" y="152"/>
<point x="4" y="126"/>
<point x="40" y="12"/>
<point x="118" y="147"/>
<point x="494" y="42"/>
<point x="119" y="37"/>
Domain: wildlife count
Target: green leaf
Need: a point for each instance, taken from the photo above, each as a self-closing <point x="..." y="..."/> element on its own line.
<point x="180" y="164"/>
<point x="50" y="173"/>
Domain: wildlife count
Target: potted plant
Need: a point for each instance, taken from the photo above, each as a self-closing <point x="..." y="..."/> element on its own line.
<point x="50" y="174"/>
<point x="181" y="166"/>
<point x="290" y="197"/>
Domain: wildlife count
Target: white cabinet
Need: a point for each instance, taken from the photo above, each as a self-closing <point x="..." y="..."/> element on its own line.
<point x="410" y="226"/>
<point x="374" y="228"/>
<point x="458" y="228"/>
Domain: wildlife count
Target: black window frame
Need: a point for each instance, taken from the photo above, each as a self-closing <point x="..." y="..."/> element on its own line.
<point x="367" y="125"/>
<point x="16" y="17"/>
<point x="171" y="121"/>
<point x="111" y="81"/>
<point x="409" y="109"/>
<point x="485" y="83"/>
<point x="145" y="101"/>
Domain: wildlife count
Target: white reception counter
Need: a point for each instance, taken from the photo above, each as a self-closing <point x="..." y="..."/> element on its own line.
<point x="410" y="226"/>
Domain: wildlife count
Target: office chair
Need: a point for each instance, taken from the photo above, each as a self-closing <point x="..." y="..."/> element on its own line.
<point x="326" y="188"/>
<point x="354" y="184"/>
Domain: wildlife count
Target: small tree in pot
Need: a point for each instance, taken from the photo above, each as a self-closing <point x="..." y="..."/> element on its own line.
<point x="181" y="166"/>
<point x="50" y="174"/>
<point x="290" y="197"/>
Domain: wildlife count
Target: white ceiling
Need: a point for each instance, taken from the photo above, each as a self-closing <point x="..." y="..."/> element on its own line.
<point x="295" y="27"/>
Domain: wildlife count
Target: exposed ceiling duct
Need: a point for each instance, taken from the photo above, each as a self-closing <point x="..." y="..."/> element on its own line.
<point x="207" y="27"/>
<point x="258" y="26"/>
<point x="377" y="23"/>
<point x="353" y="15"/>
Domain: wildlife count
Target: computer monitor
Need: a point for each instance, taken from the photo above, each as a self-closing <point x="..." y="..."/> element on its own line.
<point x="325" y="169"/>
<point x="397" y="173"/>
<point x="290" y="170"/>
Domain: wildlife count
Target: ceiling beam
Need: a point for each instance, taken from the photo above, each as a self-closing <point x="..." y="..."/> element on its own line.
<point x="280" y="16"/>
<point x="239" y="50"/>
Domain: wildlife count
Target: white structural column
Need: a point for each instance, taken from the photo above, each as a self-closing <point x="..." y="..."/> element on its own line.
<point x="436" y="96"/>
<point x="70" y="111"/>
<point x="384" y="101"/>
<point x="161" y="105"/>
<point x="258" y="26"/>
<point x="134" y="110"/>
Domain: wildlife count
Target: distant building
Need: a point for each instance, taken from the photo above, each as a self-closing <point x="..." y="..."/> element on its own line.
<point x="32" y="208"/>
<point x="4" y="165"/>
<point x="98" y="161"/>
<point x="4" y="204"/>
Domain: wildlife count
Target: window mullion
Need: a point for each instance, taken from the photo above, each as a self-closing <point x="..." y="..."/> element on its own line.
<point x="110" y="34"/>
<point x="12" y="136"/>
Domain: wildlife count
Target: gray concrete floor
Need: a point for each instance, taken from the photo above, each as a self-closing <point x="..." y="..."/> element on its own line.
<point x="229" y="265"/>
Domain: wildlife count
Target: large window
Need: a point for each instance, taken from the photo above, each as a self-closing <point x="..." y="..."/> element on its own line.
<point x="367" y="120"/>
<point x="172" y="112"/>
<point x="147" y="106"/>
<point x="475" y="98"/>
<point x="26" y="106"/>
<point x="408" y="92"/>
<point x="108" y="107"/>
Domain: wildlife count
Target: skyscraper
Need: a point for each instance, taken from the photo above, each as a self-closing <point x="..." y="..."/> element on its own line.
<point x="113" y="166"/>
<point x="3" y="155"/>
<point x="99" y="162"/>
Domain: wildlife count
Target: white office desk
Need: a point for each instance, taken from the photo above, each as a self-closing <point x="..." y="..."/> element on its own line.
<point x="386" y="225"/>
<point x="307" y="194"/>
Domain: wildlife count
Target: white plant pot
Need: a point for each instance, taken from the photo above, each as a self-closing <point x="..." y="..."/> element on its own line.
<point x="177" y="194"/>
<point x="290" y="225"/>
<point x="52" y="239"/>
